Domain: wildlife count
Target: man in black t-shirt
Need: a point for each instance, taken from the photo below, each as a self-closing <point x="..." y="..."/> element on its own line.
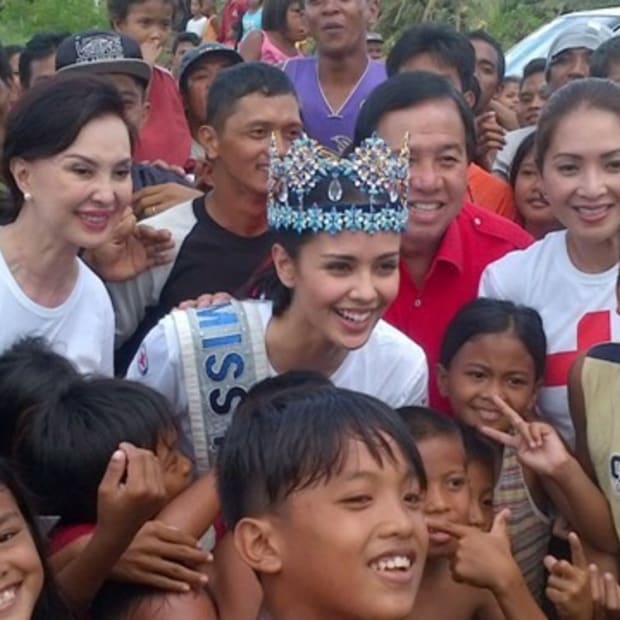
<point x="221" y="238"/>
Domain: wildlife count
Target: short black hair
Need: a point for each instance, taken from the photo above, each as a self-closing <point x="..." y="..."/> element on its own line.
<point x="536" y="65"/>
<point x="483" y="35"/>
<point x="511" y="79"/>
<point x="604" y="56"/>
<point x="42" y="45"/>
<point x="409" y="89"/>
<point x="185" y="37"/>
<point x="11" y="50"/>
<point x="118" y="9"/>
<point x="63" y="447"/>
<point x="450" y="47"/>
<point x="274" y="14"/>
<point x="30" y="374"/>
<point x="481" y="449"/>
<point x="49" y="118"/>
<point x="6" y="73"/>
<point x="494" y="316"/>
<point x="241" y="80"/>
<point x="426" y="423"/>
<point x="292" y="439"/>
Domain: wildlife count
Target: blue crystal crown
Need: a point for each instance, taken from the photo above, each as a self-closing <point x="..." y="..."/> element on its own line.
<point x="313" y="190"/>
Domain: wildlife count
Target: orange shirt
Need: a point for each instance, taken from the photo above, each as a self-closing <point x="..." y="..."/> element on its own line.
<point x="489" y="192"/>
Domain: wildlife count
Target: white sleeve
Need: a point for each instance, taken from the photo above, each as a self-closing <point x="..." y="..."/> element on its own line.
<point x="107" y="356"/>
<point x="158" y="364"/>
<point x="489" y="284"/>
<point x="416" y="392"/>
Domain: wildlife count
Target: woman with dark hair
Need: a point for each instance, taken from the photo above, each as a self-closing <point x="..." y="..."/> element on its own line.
<point x="283" y="26"/>
<point x="533" y="209"/>
<point x="67" y="164"/>
<point x="33" y="594"/>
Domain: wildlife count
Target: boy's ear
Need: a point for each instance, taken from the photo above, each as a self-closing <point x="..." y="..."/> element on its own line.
<point x="258" y="545"/>
<point x="207" y="136"/>
<point x="442" y="380"/>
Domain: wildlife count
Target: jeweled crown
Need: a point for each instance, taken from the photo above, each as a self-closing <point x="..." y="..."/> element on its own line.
<point x="313" y="190"/>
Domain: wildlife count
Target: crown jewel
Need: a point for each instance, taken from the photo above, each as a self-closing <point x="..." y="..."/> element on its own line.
<point x="311" y="189"/>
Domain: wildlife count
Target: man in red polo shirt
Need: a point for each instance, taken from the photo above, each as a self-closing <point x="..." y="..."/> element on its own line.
<point x="449" y="240"/>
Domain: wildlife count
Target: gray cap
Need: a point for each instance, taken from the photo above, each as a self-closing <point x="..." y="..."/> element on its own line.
<point x="209" y="48"/>
<point x="101" y="51"/>
<point x="589" y="35"/>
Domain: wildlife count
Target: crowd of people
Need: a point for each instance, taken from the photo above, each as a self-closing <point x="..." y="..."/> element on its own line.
<point x="300" y="326"/>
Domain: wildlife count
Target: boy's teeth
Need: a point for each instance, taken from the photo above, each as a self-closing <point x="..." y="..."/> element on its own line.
<point x="397" y="562"/>
<point x="425" y="206"/>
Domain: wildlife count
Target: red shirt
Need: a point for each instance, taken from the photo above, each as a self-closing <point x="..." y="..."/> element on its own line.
<point x="165" y="134"/>
<point x="474" y="239"/>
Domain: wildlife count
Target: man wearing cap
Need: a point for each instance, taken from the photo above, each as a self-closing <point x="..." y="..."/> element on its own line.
<point x="568" y="59"/>
<point x="118" y="57"/>
<point x="199" y="67"/>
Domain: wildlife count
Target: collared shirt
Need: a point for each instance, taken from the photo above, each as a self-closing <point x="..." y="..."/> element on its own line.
<point x="475" y="238"/>
<point x="489" y="192"/>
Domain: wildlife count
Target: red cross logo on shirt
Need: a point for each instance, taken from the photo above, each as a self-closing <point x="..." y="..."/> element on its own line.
<point x="593" y="328"/>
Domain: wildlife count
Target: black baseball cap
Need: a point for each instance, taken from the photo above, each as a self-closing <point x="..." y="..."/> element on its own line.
<point x="209" y="48"/>
<point x="102" y="51"/>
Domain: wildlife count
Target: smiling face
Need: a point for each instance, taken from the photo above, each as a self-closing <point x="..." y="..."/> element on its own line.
<point x="239" y="148"/>
<point x="485" y="366"/>
<point x="437" y="170"/>
<point x="529" y="198"/>
<point x="360" y="531"/>
<point x="533" y="94"/>
<point x="581" y="175"/>
<point x="341" y="284"/>
<point x="21" y="571"/>
<point x="447" y="498"/>
<point x="481" y="484"/>
<point x="338" y="26"/>
<point x="79" y="194"/>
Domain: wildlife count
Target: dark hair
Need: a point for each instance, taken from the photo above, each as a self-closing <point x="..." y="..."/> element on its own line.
<point x="604" y="56"/>
<point x="64" y="446"/>
<point x="296" y="438"/>
<point x="536" y="65"/>
<point x="426" y="423"/>
<point x="49" y="118"/>
<point x="411" y="89"/>
<point x="441" y="41"/>
<point x="511" y="79"/>
<point x="49" y="604"/>
<point x="495" y="316"/>
<point x="525" y="148"/>
<point x="483" y="35"/>
<point x="30" y="374"/>
<point x="11" y="50"/>
<point x="42" y="45"/>
<point x="481" y="449"/>
<point x="6" y="73"/>
<point x="588" y="93"/>
<point x="241" y="80"/>
<point x="118" y="9"/>
<point x="185" y="37"/>
<point x="274" y="14"/>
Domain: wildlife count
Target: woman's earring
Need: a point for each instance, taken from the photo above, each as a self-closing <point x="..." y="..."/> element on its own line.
<point x="27" y="196"/>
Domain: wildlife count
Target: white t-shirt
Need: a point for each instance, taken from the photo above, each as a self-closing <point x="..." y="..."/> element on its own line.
<point x="578" y="310"/>
<point x="197" y="26"/>
<point x="389" y="366"/>
<point x="81" y="328"/>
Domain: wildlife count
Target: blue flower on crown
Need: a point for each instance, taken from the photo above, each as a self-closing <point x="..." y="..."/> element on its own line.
<point x="378" y="179"/>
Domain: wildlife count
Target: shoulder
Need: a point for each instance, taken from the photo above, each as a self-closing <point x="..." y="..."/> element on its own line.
<point x="494" y="228"/>
<point x="394" y="347"/>
<point x="533" y="255"/>
<point x="92" y="283"/>
<point x="606" y="351"/>
<point x="293" y="66"/>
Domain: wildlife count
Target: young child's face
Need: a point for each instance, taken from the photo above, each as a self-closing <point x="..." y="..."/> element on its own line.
<point x="195" y="8"/>
<point x="149" y="21"/>
<point x="21" y="572"/>
<point x="509" y="95"/>
<point x="354" y="546"/>
<point x="447" y="497"/>
<point x="486" y="366"/>
<point x="481" y="484"/>
<point x="176" y="467"/>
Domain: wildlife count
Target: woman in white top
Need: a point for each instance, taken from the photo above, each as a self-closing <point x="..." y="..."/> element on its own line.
<point x="570" y="276"/>
<point x="67" y="163"/>
<point x="335" y="270"/>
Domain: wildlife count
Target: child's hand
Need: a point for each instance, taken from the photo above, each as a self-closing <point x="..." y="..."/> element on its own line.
<point x="151" y="50"/>
<point x="605" y="594"/>
<point x="538" y="445"/>
<point x="132" y="490"/>
<point x="568" y="586"/>
<point x="482" y="559"/>
<point x="163" y="557"/>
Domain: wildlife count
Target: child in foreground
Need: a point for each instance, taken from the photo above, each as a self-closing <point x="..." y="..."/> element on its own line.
<point x="468" y="573"/>
<point x="322" y="488"/>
